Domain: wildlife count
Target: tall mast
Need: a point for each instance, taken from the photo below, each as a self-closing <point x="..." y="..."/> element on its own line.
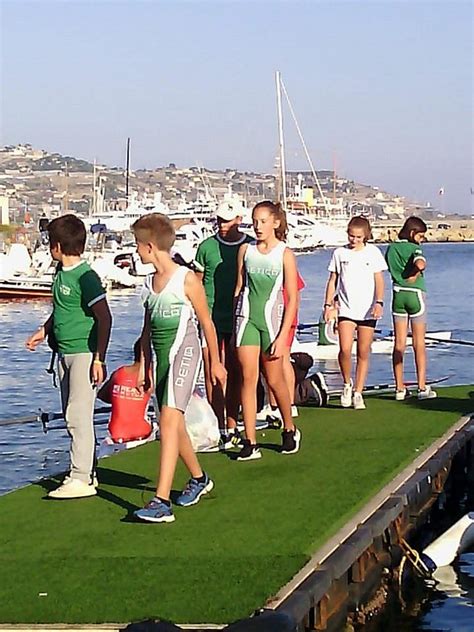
<point x="281" y="141"/>
<point x="127" y="172"/>
<point x="93" y="208"/>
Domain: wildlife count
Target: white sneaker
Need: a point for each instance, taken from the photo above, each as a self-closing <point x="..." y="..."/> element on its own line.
<point x="95" y="480"/>
<point x="428" y="393"/>
<point x="264" y="413"/>
<point x="358" y="401"/>
<point x="400" y="396"/>
<point x="73" y="488"/>
<point x="346" y="397"/>
<point x="294" y="411"/>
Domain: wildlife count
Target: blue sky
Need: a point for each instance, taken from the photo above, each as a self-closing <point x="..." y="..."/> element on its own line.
<point x="382" y="88"/>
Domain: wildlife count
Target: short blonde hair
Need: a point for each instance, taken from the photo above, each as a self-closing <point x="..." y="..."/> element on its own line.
<point x="155" y="228"/>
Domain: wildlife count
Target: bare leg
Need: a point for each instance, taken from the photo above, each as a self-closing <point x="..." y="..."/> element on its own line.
<point x="346" y="339"/>
<point x="276" y="382"/>
<point x="289" y="378"/>
<point x="400" y="327"/>
<point x="249" y="362"/>
<point x="418" y="330"/>
<point x="233" y="386"/>
<point x="214" y="393"/>
<point x="365" y="335"/>
<point x="169" y="438"/>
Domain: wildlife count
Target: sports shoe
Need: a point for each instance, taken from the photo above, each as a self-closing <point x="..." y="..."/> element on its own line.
<point x="264" y="412"/>
<point x="95" y="480"/>
<point x="346" y="395"/>
<point x="236" y="438"/>
<point x="294" y="411"/>
<point x="155" y="511"/>
<point x="400" y="396"/>
<point x="194" y="490"/>
<point x="290" y="441"/>
<point x="231" y="440"/>
<point x="72" y="488"/>
<point x="358" y="401"/>
<point x="250" y="452"/>
<point x="427" y="393"/>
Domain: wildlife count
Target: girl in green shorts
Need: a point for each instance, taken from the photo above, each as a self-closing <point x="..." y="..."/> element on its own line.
<point x="263" y="322"/>
<point x="406" y="263"/>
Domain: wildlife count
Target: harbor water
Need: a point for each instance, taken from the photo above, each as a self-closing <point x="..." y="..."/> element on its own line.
<point x="26" y="453"/>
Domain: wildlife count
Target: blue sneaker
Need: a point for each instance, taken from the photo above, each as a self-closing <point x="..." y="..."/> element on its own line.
<point x="194" y="490"/>
<point x="155" y="511"/>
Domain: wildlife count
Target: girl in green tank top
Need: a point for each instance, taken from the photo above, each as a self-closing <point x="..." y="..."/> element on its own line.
<point x="262" y="323"/>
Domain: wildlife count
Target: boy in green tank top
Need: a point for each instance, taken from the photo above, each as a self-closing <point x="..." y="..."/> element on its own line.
<point x="216" y="263"/>
<point x="80" y="324"/>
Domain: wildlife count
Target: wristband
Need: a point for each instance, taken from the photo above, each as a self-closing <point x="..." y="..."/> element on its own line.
<point x="99" y="362"/>
<point x="379" y="303"/>
<point x="327" y="305"/>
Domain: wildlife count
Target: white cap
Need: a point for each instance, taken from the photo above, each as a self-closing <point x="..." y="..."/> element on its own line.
<point x="229" y="210"/>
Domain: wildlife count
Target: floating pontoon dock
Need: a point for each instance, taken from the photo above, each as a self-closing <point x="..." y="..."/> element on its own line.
<point x="305" y="536"/>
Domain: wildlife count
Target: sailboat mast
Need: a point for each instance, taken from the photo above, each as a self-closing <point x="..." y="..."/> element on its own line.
<point x="281" y="140"/>
<point x="127" y="172"/>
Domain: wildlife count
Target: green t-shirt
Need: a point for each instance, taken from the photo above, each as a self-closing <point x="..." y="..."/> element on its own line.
<point x="75" y="290"/>
<point x="400" y="257"/>
<point x="217" y="260"/>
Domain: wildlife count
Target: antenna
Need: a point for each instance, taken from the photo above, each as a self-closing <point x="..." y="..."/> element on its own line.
<point x="127" y="170"/>
<point x="281" y="140"/>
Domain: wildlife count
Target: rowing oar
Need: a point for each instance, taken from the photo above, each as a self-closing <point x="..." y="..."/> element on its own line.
<point x="454" y="341"/>
<point x="44" y="418"/>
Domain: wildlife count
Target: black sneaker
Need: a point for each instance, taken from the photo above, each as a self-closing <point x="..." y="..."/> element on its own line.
<point x="290" y="441"/>
<point x="249" y="452"/>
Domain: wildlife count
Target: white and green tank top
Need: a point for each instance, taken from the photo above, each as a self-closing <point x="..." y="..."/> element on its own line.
<point x="170" y="310"/>
<point x="261" y="298"/>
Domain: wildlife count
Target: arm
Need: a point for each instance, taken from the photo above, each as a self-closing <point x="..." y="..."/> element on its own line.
<point x="377" y="309"/>
<point x="103" y="318"/>
<point x="144" y="376"/>
<point x="329" y="297"/>
<point x="240" y="270"/>
<point x="35" y="339"/>
<point x="195" y="293"/>
<point x="290" y="280"/>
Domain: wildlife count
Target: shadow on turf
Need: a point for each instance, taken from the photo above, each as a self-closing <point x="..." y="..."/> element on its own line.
<point x="265" y="622"/>
<point x="463" y="405"/>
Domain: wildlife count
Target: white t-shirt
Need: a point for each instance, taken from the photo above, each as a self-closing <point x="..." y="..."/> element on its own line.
<point x="356" y="282"/>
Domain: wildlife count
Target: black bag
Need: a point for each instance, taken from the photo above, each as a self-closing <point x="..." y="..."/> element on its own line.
<point x="312" y="391"/>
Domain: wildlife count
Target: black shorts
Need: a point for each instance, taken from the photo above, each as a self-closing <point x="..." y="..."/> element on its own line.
<point x="371" y="322"/>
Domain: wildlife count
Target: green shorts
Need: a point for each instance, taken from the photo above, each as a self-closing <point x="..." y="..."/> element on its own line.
<point x="250" y="334"/>
<point x="409" y="303"/>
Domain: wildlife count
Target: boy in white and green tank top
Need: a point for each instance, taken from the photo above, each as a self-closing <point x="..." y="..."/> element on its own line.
<point x="174" y="301"/>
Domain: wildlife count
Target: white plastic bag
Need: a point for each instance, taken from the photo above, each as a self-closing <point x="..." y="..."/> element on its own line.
<point x="201" y="423"/>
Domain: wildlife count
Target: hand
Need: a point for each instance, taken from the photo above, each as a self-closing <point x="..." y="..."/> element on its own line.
<point x="218" y="374"/>
<point x="330" y="313"/>
<point x="35" y="339"/>
<point x="377" y="311"/>
<point x="278" y="348"/>
<point x="98" y="373"/>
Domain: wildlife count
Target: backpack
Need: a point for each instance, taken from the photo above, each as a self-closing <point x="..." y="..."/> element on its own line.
<point x="312" y="391"/>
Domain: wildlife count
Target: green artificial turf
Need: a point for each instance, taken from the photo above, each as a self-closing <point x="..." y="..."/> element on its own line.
<point x="221" y="559"/>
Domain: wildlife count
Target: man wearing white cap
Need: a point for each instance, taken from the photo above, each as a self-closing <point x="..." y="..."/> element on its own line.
<point x="216" y="263"/>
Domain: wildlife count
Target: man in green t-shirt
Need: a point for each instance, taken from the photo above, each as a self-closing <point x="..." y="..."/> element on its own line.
<point x="80" y="326"/>
<point x="216" y="264"/>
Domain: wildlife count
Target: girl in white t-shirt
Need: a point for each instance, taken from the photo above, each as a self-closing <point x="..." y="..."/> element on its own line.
<point x="354" y="292"/>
